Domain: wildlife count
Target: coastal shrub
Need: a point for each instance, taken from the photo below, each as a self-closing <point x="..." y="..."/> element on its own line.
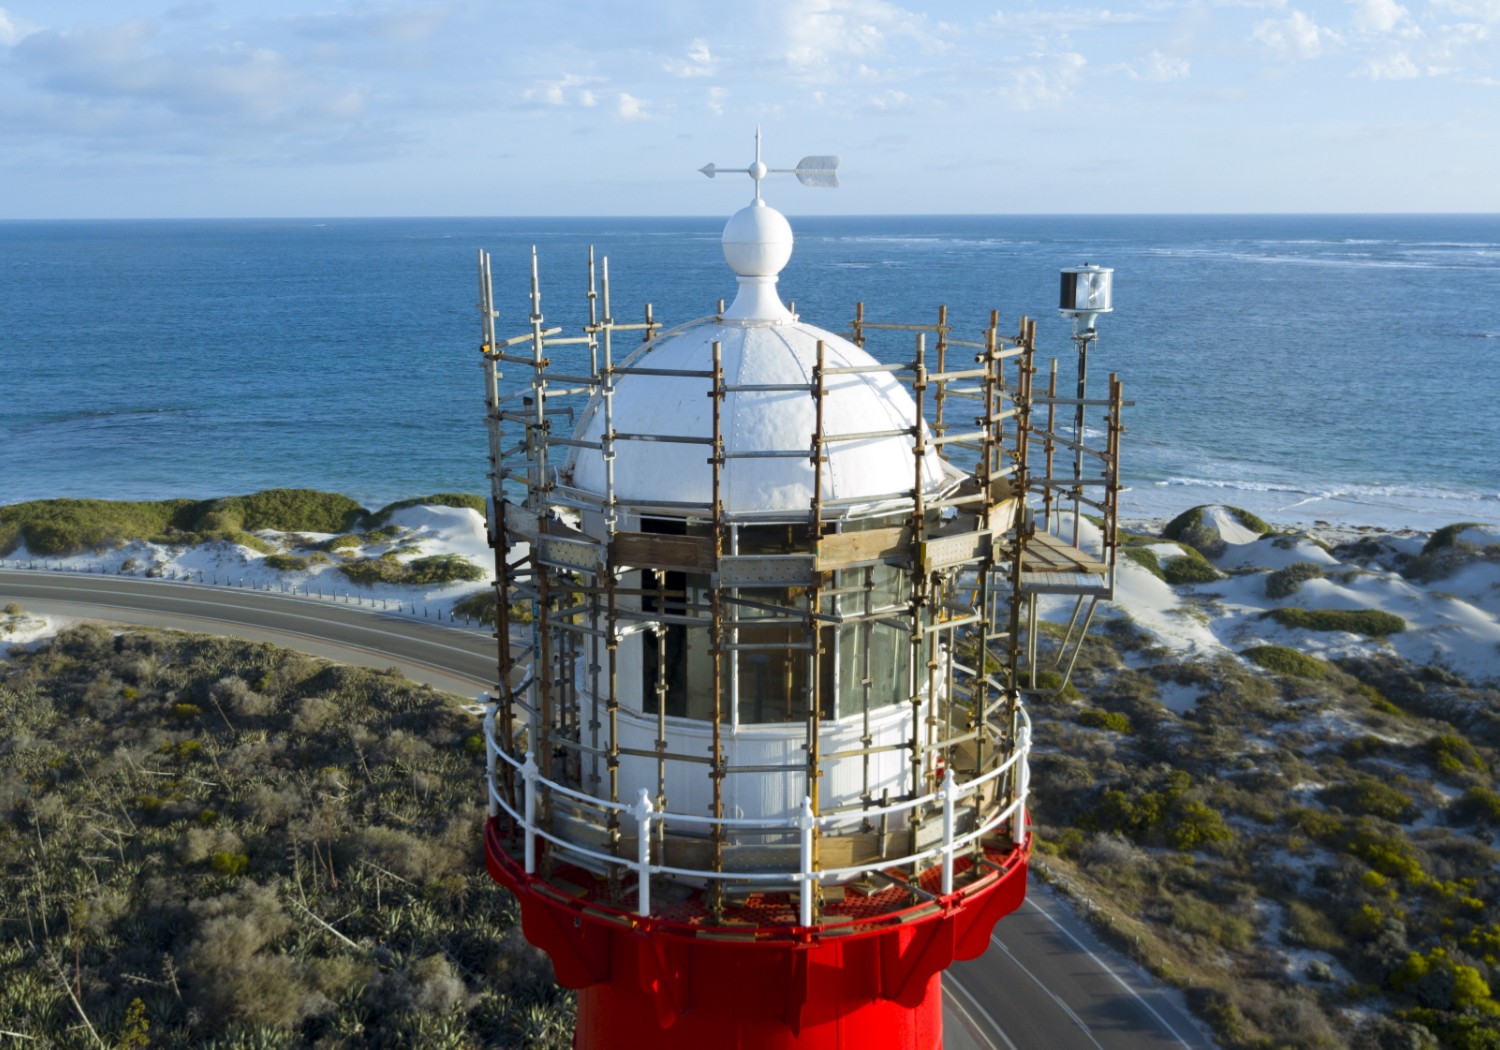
<point x="440" y="499"/>
<point x="481" y="606"/>
<point x="1048" y="682"/>
<point x="1479" y="804"/>
<point x="1366" y="796"/>
<point x="435" y="569"/>
<point x="1218" y="924"/>
<point x="1146" y="559"/>
<point x="1099" y="719"/>
<point x="60" y="527"/>
<point x="286" y="562"/>
<point x="288" y="510"/>
<point x="1454" y="755"/>
<point x="1285" y="582"/>
<point x="1310" y="927"/>
<point x="1373" y="623"/>
<point x="1189" y="567"/>
<point x="347" y="542"/>
<point x="1190" y="528"/>
<point x="1278" y="659"/>
<point x="1448" y="535"/>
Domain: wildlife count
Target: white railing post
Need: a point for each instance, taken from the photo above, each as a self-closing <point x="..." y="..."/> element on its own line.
<point x="948" y="787"/>
<point x="1023" y="785"/>
<point x="805" y="823"/>
<point x="530" y="773"/>
<point x="642" y="811"/>
<point x="489" y="754"/>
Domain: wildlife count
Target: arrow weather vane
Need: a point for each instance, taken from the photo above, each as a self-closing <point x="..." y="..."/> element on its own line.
<point x="810" y="171"/>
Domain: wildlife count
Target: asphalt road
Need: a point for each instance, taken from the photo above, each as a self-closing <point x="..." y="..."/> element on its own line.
<point x="1046" y="983"/>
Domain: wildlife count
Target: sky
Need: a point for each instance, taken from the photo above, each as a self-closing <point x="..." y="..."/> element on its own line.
<point x="251" y="108"/>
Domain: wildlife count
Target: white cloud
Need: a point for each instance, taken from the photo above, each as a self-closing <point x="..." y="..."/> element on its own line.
<point x="1479" y="10"/>
<point x="699" y="62"/>
<point x="1296" y="36"/>
<point x="716" y="97"/>
<point x="1381" y="16"/>
<point x="628" y="107"/>
<point x="13" y="29"/>
<point x="1047" y="81"/>
<point x="570" y="90"/>
<point x="1398" y="66"/>
<point x="1162" y="67"/>
<point x="819" y="34"/>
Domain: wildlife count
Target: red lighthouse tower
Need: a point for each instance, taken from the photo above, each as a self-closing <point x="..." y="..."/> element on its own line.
<point x="759" y="772"/>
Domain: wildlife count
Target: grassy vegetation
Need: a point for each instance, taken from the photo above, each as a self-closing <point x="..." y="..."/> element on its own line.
<point x="1372" y="623"/>
<point x="1447" y="536"/>
<point x="61" y="527"/>
<point x="1146" y="559"/>
<point x="288" y="562"/>
<point x="1285" y="582"/>
<point x="1189" y="567"/>
<point x="1203" y="852"/>
<point x="1278" y="659"/>
<point x="434" y="569"/>
<point x="211" y="843"/>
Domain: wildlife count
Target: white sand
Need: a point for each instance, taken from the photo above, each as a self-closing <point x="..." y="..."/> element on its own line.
<point x="1453" y="622"/>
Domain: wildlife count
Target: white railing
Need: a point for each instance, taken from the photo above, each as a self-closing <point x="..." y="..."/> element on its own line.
<point x="804" y="823"/>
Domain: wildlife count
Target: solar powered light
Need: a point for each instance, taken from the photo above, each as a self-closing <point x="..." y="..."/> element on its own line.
<point x="1087" y="292"/>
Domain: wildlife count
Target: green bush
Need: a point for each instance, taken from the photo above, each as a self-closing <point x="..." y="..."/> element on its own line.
<point x="1480" y="804"/>
<point x="1146" y="559"/>
<point x="344" y="543"/>
<point x="1367" y="796"/>
<point x="1099" y="719"/>
<point x="61" y="527"/>
<point x="1190" y="528"/>
<point x="1278" y="659"/>
<point x="286" y="562"/>
<point x="1373" y="623"/>
<point x="1190" y="567"/>
<point x="229" y="863"/>
<point x="1218" y="924"/>
<point x="1283" y="583"/>
<point x="1448" y="535"/>
<point x="1454" y="754"/>
<point x="434" y="569"/>
<point x="290" y="510"/>
<point x="1194" y="826"/>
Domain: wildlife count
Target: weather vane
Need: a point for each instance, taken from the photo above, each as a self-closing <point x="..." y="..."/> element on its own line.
<point x="810" y="171"/>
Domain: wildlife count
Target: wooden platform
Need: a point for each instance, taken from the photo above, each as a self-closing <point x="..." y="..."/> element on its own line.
<point x="1050" y="565"/>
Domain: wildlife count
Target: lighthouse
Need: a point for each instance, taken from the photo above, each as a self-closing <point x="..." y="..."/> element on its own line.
<point x="757" y="755"/>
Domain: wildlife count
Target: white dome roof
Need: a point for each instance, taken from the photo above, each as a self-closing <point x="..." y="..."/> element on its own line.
<point x="655" y="472"/>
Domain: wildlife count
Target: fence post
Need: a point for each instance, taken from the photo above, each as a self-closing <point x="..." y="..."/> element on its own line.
<point x="642" y="811"/>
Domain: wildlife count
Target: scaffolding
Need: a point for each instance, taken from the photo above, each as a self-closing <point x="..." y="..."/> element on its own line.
<point x="704" y="623"/>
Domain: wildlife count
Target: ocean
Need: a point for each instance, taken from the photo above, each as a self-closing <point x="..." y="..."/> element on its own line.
<point x="1335" y="368"/>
